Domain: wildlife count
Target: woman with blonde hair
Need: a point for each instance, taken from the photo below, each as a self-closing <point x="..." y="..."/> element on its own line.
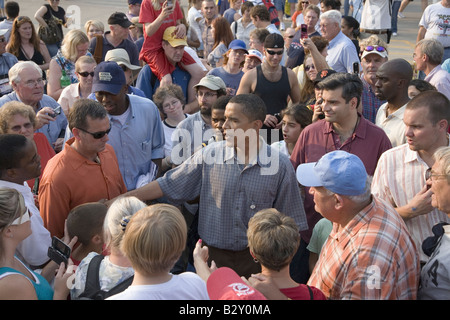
<point x="154" y="240"/>
<point x="115" y="266"/>
<point x="94" y="28"/>
<point x="17" y="281"/>
<point x="74" y="46"/>
<point x="25" y="44"/>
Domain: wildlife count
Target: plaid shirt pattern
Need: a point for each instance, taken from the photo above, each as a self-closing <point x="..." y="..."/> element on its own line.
<point x="372" y="257"/>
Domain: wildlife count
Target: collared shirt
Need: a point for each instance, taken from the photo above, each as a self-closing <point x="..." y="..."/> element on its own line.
<point x="54" y="129"/>
<point x="393" y="124"/>
<point x="231" y="192"/>
<point x="138" y="141"/>
<point x="440" y="78"/>
<point x="368" y="142"/>
<point x="33" y="249"/>
<point x="341" y="54"/>
<point x="207" y="36"/>
<point x="70" y="179"/>
<point x="242" y="33"/>
<point x="372" y="257"/>
<point x="399" y="176"/>
<point x="189" y="136"/>
<point x="370" y="102"/>
<point x="7" y="60"/>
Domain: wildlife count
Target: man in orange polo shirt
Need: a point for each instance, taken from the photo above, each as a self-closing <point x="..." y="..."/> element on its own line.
<point x="85" y="171"/>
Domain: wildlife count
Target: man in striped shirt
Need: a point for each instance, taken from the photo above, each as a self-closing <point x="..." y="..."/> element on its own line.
<point x="369" y="253"/>
<point x="400" y="174"/>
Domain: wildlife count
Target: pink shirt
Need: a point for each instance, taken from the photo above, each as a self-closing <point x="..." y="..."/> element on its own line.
<point x="368" y="142"/>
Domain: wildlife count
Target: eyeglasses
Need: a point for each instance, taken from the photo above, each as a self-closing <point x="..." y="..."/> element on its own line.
<point x="33" y="83"/>
<point x="205" y="94"/>
<point x="271" y="52"/>
<point x="21" y="220"/>
<point x="372" y="48"/>
<point x="97" y="135"/>
<point x="429" y="174"/>
<point x="307" y="68"/>
<point x="86" y="74"/>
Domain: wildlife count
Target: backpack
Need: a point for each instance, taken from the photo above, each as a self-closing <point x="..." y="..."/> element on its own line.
<point x="273" y="13"/>
<point x="92" y="289"/>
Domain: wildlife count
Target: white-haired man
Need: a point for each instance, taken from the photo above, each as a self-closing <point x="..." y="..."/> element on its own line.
<point x="341" y="51"/>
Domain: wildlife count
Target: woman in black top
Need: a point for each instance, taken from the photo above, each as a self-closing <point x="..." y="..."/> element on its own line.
<point x="44" y="14"/>
<point x="26" y="45"/>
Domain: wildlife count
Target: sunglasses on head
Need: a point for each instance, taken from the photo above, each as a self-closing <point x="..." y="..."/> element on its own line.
<point x="97" y="135"/>
<point x="271" y="52"/>
<point x="372" y="48"/>
<point x="86" y="74"/>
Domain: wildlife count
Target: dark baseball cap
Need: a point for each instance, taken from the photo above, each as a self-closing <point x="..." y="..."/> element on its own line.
<point x="108" y="77"/>
<point x="322" y="75"/>
<point x="119" y="18"/>
<point x="274" y="40"/>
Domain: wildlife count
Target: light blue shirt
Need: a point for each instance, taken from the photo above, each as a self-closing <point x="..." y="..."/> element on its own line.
<point x="52" y="130"/>
<point x="341" y="54"/>
<point x="138" y="141"/>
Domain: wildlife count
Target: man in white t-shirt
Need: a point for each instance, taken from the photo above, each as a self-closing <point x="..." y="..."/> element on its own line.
<point x="434" y="25"/>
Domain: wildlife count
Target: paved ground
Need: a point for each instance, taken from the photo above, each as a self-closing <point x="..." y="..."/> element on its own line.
<point x="401" y="46"/>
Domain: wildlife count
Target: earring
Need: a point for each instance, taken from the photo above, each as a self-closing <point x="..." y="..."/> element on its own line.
<point x="255" y="260"/>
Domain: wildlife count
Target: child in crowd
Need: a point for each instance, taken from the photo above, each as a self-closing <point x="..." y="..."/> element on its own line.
<point x="86" y="222"/>
<point x="293" y="120"/>
<point x="273" y="239"/>
<point x="157" y="16"/>
<point x="154" y="240"/>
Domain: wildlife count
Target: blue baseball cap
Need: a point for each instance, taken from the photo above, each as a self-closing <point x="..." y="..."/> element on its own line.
<point x="108" y="77"/>
<point x="237" y="45"/>
<point x="338" y="171"/>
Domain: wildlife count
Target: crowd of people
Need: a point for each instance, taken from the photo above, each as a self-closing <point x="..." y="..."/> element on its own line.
<point x="218" y="154"/>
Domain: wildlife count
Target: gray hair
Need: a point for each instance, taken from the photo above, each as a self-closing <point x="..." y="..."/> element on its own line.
<point x="442" y="155"/>
<point x="433" y="49"/>
<point x="361" y="198"/>
<point x="117" y="217"/>
<point x="13" y="73"/>
<point x="332" y="15"/>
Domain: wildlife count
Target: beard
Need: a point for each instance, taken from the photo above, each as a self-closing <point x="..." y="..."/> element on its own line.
<point x="205" y="111"/>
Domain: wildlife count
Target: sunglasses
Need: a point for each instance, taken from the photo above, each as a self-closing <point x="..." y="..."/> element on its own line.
<point x="86" y="74"/>
<point x="271" y="52"/>
<point x="378" y="48"/>
<point x="97" y="135"/>
<point x="307" y="68"/>
<point x="21" y="220"/>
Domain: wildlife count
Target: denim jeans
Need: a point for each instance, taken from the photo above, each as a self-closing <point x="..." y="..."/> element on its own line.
<point x="394" y="18"/>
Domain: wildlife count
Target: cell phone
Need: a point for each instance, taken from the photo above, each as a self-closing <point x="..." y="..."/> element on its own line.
<point x="278" y="116"/>
<point x="169" y="4"/>
<point x="56" y="111"/>
<point x="59" y="251"/>
<point x="355" y="67"/>
<point x="303" y="31"/>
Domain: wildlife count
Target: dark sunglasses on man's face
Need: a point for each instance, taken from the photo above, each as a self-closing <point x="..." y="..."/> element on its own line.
<point x="97" y="135"/>
<point x="271" y="52"/>
<point x="86" y="74"/>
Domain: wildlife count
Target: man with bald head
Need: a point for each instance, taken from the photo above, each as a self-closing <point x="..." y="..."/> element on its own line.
<point x="392" y="81"/>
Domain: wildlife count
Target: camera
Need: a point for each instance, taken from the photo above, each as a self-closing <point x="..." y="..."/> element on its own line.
<point x="59" y="251"/>
<point x="56" y="113"/>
